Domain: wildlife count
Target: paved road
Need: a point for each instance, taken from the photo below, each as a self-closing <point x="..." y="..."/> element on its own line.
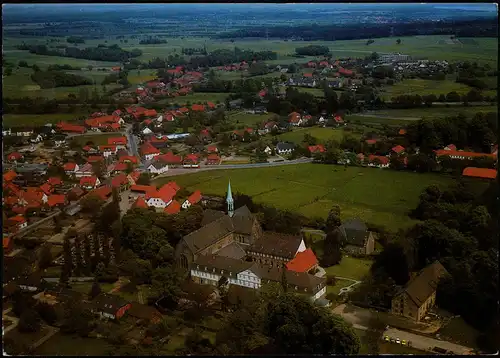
<point x="359" y="318"/>
<point x="182" y="171"/>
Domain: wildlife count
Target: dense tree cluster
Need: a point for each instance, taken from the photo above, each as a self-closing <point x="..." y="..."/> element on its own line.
<point x="75" y="40"/>
<point x="152" y="41"/>
<point x="57" y="67"/>
<point x="312" y="50"/>
<point x="222" y="57"/>
<point x="190" y="51"/>
<point x="101" y="53"/>
<point x="462" y="28"/>
<point x="51" y="79"/>
<point x="279" y="322"/>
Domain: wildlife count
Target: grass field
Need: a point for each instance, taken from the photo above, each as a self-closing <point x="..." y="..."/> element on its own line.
<point x="424" y="87"/>
<point x="198" y="97"/>
<point x="61" y="344"/>
<point x="16" y="120"/>
<point x="339" y="284"/>
<point x="378" y="120"/>
<point x="97" y="139"/>
<point x="378" y="196"/>
<point x="317" y="92"/>
<point x="435" y="112"/>
<point x="248" y="119"/>
<point x="137" y="77"/>
<point x="322" y="134"/>
<point x="350" y="267"/>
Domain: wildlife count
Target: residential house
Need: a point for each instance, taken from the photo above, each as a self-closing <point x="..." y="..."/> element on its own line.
<point x="482" y="173"/>
<point x="170" y="158"/>
<point x="358" y="240"/>
<point x="173" y="208"/>
<point x="70" y="168"/>
<point x="268" y="150"/>
<point x="148" y="151"/>
<point x="17" y="223"/>
<point x="419" y="294"/>
<point x="459" y="154"/>
<point x="295" y="119"/>
<point x="213" y="159"/>
<point x="89" y="182"/>
<point x="193" y="199"/>
<point x="160" y="198"/>
<point x="212" y="149"/>
<point x="157" y="167"/>
<point x="110" y="306"/>
<point x="378" y="161"/>
<point x="85" y="170"/>
<point x="14" y="157"/>
<point x="158" y="141"/>
<point x="398" y="149"/>
<point x="108" y="150"/>
<point x="205" y="136"/>
<point x="191" y="161"/>
<point x="56" y="200"/>
<point x="284" y="148"/>
<point x="338" y="121"/>
<point x="146" y="131"/>
<point x="316" y="148"/>
<point x="145" y="313"/>
<point x="8" y="244"/>
<point x="120" y="182"/>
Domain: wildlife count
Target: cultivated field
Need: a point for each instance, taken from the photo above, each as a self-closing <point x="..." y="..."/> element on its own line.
<point x="19" y="120"/>
<point x="423" y="87"/>
<point x="248" y="119"/>
<point x="322" y="134"/>
<point x="434" y="112"/>
<point x="378" y="196"/>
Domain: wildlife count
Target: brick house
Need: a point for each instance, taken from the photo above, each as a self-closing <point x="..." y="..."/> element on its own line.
<point x="419" y="294"/>
<point x="110" y="306"/>
<point x="358" y="240"/>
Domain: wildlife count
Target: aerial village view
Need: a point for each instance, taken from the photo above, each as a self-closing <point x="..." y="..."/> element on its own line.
<point x="243" y="179"/>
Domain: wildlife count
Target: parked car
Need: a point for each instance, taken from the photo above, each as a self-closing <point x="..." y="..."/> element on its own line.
<point x="386" y="338"/>
<point x="398" y="341"/>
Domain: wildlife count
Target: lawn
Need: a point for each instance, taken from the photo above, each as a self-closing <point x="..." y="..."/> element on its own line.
<point x="97" y="139"/>
<point x="322" y="134"/>
<point x="434" y="112"/>
<point x="353" y="118"/>
<point x="84" y="287"/>
<point x="138" y="77"/>
<point x="314" y="91"/>
<point x="350" y="267"/>
<point x="61" y="344"/>
<point x="338" y="285"/>
<point x="248" y="119"/>
<point x="423" y="87"/>
<point x="197" y="97"/>
<point x="379" y="196"/>
<point x="16" y="120"/>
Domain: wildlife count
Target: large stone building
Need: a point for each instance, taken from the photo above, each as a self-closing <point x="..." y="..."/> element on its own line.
<point x="232" y="249"/>
<point x="419" y="295"/>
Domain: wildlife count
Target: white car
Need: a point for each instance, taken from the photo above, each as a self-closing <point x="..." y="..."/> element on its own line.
<point x="398" y="341"/>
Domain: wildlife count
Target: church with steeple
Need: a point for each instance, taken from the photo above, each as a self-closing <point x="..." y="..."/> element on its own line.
<point x="226" y="234"/>
<point x="231" y="248"/>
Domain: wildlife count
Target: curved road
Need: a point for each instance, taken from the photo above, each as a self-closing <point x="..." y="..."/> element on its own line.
<point x="182" y="171"/>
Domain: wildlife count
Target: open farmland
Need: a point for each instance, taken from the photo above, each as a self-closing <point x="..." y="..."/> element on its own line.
<point x="432" y="112"/>
<point x="379" y="196"/>
<point x="424" y="87"/>
<point x="18" y="120"/>
<point x="248" y="119"/>
<point x="322" y="134"/>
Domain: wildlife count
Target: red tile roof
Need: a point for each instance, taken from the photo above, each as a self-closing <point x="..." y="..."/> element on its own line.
<point x="210" y="104"/>
<point x="147" y="148"/>
<point x="212" y="149"/>
<point x="480" y="173"/>
<point x="402" y="132"/>
<point x="308" y="74"/>
<point x="198" y="107"/>
<point x="19" y="219"/>
<point x="66" y="127"/>
<point x="6" y="242"/>
<point x="117" y="140"/>
<point x="128" y="158"/>
<point x="150" y="113"/>
<point x="338" y="119"/>
<point x="183" y="109"/>
<point x="56" y="199"/>
<point x="166" y="193"/>
<point x="102" y="192"/>
<point x="383" y="160"/>
<point x="303" y="261"/>
<point x="9" y="176"/>
<point x="451" y="147"/>
<point x="398" y="149"/>
<point x="191" y="158"/>
<point x="195" y="197"/>
<point x="120" y="167"/>
<point x="95" y="159"/>
<point x="69" y="166"/>
<point x="46" y="188"/>
<point x="371" y="141"/>
<point x="213" y="157"/>
<point x="173" y="208"/>
<point x="441" y="152"/>
<point x="142" y="188"/>
<point x="119" y="180"/>
<point x="54" y="181"/>
<point x="14" y="156"/>
<point x="316" y="148"/>
<point x="88" y="181"/>
<point x="140" y="203"/>
<point x="174" y="186"/>
<point x="87" y="148"/>
<point x="135" y="175"/>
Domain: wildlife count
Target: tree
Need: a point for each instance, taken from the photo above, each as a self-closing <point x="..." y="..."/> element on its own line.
<point x="29" y="321"/>
<point x="332" y="248"/>
<point x="398" y="41"/>
<point x="76" y="319"/>
<point x="91" y="204"/>
<point x="35" y="68"/>
<point x="394" y="261"/>
<point x="47" y="312"/>
<point x="333" y="220"/>
<point x="144" y="179"/>
<point x="8" y="71"/>
<point x="95" y="290"/>
<point x="45" y="257"/>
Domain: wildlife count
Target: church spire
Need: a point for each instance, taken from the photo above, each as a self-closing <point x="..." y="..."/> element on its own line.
<point x="229" y="200"/>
